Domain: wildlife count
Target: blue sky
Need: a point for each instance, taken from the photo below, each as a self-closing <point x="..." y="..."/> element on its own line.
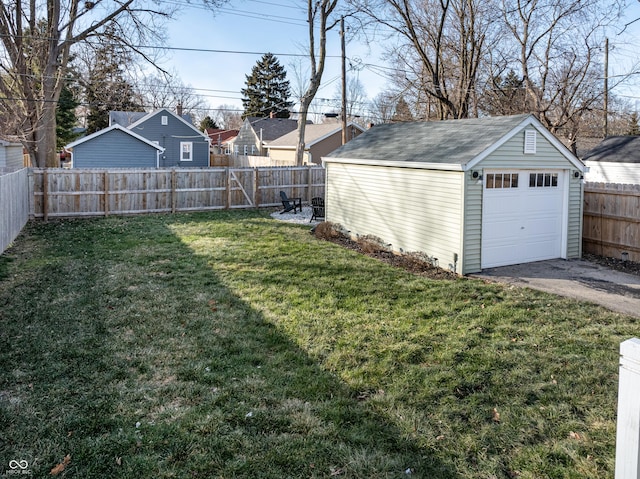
<point x="279" y="27"/>
<point x="276" y="26"/>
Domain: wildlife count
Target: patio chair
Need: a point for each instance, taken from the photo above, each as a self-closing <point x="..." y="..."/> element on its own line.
<point x="289" y="204"/>
<point x="317" y="205"/>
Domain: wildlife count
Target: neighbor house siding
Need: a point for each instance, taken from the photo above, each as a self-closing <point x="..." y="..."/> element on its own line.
<point x="114" y="149"/>
<point x="11" y="156"/>
<point x="281" y="154"/>
<point x="609" y="172"/>
<point x="326" y="146"/>
<point x="247" y="137"/>
<point x="169" y="137"/>
<point x="411" y="209"/>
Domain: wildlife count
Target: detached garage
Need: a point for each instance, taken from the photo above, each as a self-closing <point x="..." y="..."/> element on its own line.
<point x="472" y="194"/>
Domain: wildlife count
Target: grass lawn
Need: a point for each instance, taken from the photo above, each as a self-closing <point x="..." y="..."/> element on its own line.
<point x="231" y="345"/>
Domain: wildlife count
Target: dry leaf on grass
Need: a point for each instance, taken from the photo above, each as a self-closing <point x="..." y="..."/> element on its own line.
<point x="496" y="415"/>
<point x="62" y="466"/>
<point x="575" y="435"/>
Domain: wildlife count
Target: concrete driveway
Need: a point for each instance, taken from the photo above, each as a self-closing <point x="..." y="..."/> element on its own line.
<point x="577" y="279"/>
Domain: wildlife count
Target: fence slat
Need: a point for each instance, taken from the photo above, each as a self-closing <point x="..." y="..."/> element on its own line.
<point x="14" y="205"/>
<point x="611" y="220"/>
<point x="63" y="193"/>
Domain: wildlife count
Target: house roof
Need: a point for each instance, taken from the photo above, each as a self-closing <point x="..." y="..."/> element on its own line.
<point x="449" y="144"/>
<point x="111" y="128"/>
<point x="272" y="128"/>
<point x="125" y="118"/>
<point x="616" y="149"/>
<point x="6" y="143"/>
<point x="217" y="134"/>
<point x="312" y="135"/>
<point x="186" y="119"/>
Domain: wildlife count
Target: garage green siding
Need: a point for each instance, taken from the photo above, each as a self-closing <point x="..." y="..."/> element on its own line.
<point x="412" y="209"/>
<point x="472" y="224"/>
<point x="510" y="156"/>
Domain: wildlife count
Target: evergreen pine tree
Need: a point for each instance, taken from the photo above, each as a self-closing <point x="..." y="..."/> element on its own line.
<point x="207" y="122"/>
<point x="107" y="88"/>
<point x="66" y="117"/>
<point x="402" y="113"/>
<point x="267" y="89"/>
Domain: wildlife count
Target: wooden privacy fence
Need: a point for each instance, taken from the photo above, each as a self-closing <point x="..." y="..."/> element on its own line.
<point x="611" y="220"/>
<point x="102" y="192"/>
<point x="14" y="205"/>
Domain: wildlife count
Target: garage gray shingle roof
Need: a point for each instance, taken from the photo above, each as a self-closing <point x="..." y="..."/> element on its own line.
<point x="446" y="142"/>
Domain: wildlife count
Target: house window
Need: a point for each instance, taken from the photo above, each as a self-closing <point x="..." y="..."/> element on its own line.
<point x="186" y="151"/>
<point x="164" y="119"/>
<point x="502" y="180"/>
<point x="253" y="149"/>
<point x="246" y="149"/>
<point x="530" y="142"/>
<point x="543" y="180"/>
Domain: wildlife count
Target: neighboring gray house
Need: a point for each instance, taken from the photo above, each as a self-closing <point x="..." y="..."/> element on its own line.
<point x="256" y="134"/>
<point x="11" y="155"/>
<point x="180" y="143"/>
<point x="472" y="194"/>
<point x="615" y="160"/>
<point x="115" y="147"/>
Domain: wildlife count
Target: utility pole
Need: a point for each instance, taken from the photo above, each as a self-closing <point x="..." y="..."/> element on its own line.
<point x="606" y="87"/>
<point x="344" y="83"/>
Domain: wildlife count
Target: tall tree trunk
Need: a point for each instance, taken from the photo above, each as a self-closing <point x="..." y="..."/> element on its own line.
<point x="324" y="8"/>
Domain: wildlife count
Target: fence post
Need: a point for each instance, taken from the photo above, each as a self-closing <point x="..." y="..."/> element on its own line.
<point x="628" y="425"/>
<point x="174" y="183"/>
<point x="228" y="188"/>
<point x="106" y="193"/>
<point x="256" y="185"/>
<point x="45" y="195"/>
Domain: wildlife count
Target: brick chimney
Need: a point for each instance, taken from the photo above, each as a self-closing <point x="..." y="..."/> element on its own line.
<point x="272" y="114"/>
<point x="179" y="109"/>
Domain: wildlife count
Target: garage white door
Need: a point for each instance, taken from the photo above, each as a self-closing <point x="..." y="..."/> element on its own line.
<point x="522" y="216"/>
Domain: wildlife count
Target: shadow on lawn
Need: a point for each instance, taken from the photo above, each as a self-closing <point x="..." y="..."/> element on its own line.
<point x="123" y="348"/>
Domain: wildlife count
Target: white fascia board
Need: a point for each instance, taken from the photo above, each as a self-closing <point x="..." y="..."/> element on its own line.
<point x="529" y="121"/>
<point x="421" y="165"/>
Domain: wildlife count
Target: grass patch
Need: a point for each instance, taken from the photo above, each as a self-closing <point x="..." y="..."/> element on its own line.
<point x="231" y="345"/>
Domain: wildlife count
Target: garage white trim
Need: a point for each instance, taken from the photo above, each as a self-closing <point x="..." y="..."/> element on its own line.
<point x="523" y="216"/>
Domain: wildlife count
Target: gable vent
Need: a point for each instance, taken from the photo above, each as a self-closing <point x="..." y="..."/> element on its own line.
<point x="530" y="141"/>
<point x="164" y="119"/>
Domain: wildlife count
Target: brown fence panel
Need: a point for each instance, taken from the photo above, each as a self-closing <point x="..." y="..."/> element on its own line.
<point x="102" y="192"/>
<point x="611" y="224"/>
<point x="304" y="182"/>
<point x="200" y="189"/>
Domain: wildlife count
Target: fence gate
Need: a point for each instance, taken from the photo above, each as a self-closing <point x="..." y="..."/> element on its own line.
<point x="242" y="185"/>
